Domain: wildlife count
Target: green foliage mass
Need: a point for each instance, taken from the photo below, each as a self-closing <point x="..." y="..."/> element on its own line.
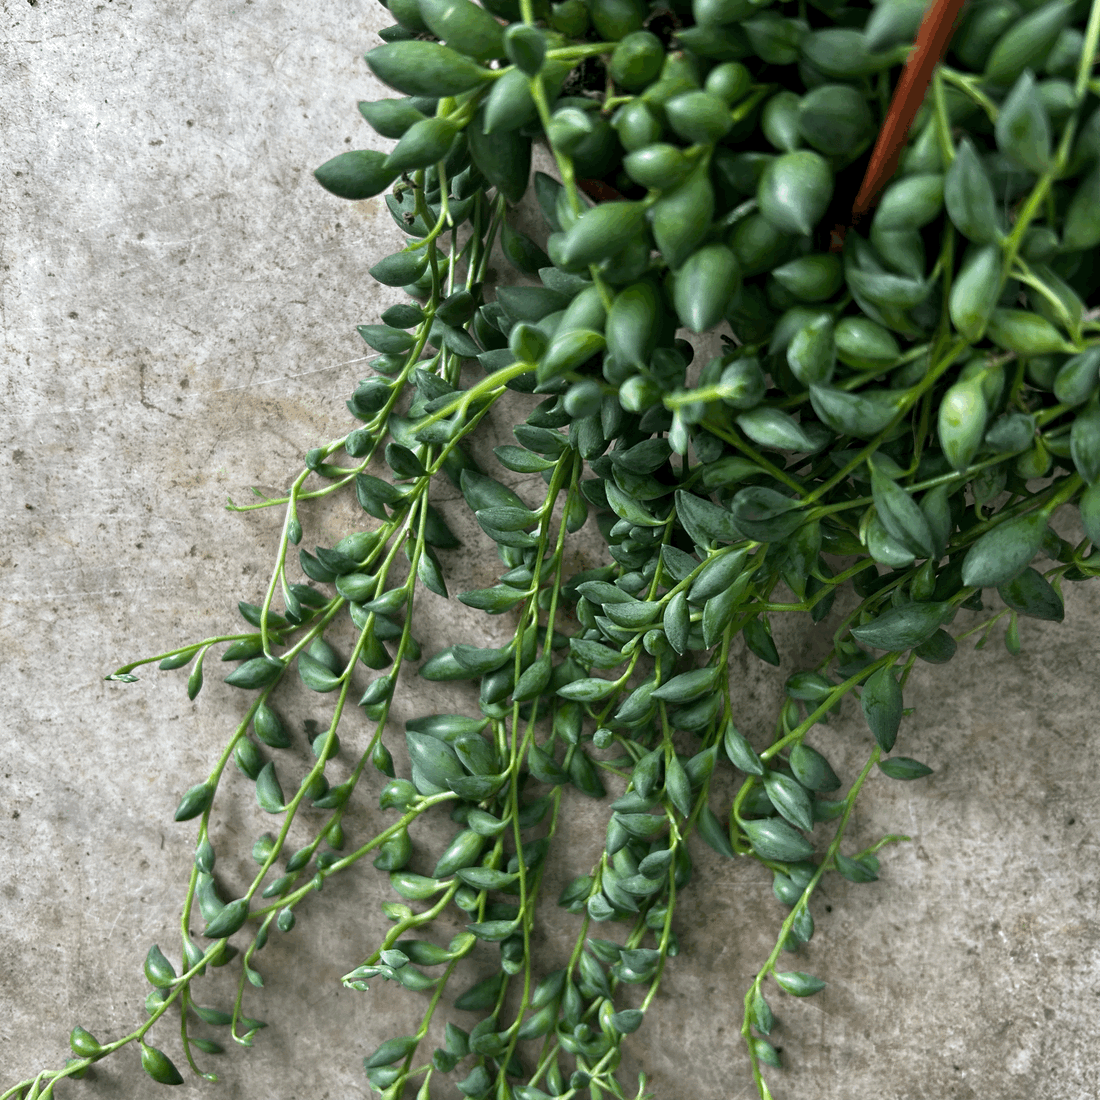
<point x="894" y="420"/>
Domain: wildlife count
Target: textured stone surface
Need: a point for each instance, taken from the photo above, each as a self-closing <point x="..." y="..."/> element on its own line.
<point x="177" y="302"/>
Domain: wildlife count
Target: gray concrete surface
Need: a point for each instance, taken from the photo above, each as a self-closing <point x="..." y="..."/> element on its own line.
<point x="177" y="300"/>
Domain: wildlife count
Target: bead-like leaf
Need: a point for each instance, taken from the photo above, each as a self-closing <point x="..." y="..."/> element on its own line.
<point x="900" y="514"/>
<point x="158" y="970"/>
<point x="1030" y="593"/>
<point x="903" y="627"/>
<point x="257" y="673"/>
<point x="228" y="921"/>
<point x="742" y="755"/>
<point x="968" y="195"/>
<point x="855" y="870"/>
<point x="269" y="794"/>
<point x="812" y="770"/>
<point x="882" y="707"/>
<point x="159" y="1066"/>
<point x="774" y="839"/>
<point x="791" y="799"/>
<point x="1003" y="552"/>
<point x="195" y="801"/>
<point x="687" y="686"/>
<point x="316" y="675"/>
<point x="799" y="984"/>
<point x="1023" y="127"/>
<point x="433" y="760"/>
<point x="714" y="832"/>
<point x="903" y="767"/>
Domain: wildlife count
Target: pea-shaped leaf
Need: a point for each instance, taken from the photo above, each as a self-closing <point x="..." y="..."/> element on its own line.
<point x="602" y="232"/>
<point x="862" y="414"/>
<point x="795" y="190"/>
<point x="1003" y="552"/>
<point x="714" y="832"/>
<point x="391" y="118"/>
<point x="434" y="760"/>
<point x="425" y="143"/>
<point x="159" y="1066"/>
<point x="812" y="770"/>
<point x="704" y="521"/>
<point x="968" y="195"/>
<point x="775" y="839"/>
<point x="765" y="515"/>
<point x="269" y="794"/>
<point x="893" y="23"/>
<point x="687" y="686"/>
<point x="975" y="291"/>
<point x="885" y="549"/>
<point x="632" y="324"/>
<point x="316" y="675"/>
<point x="938" y="650"/>
<point x="903" y="627"/>
<point x="900" y="514"/>
<point x="568" y="351"/>
<point x="882" y="707"/>
<point x="1023" y="127"/>
<point x="392" y="1050"/>
<point x="758" y="637"/>
<point x="719" y="572"/>
<point x="503" y="157"/>
<point x="676" y="622"/>
<point x="799" y="984"/>
<point x="269" y="728"/>
<point x="356" y="174"/>
<point x="763" y="1018"/>
<point x="228" y="921"/>
<point x="835" y="116"/>
<point x="773" y="39"/>
<point x="812" y="278"/>
<point x="195" y="801"/>
<point x="699" y="117"/>
<point x="742" y="755"/>
<point x="842" y="52"/>
<point x="467" y="28"/>
<point x="904" y="767"/>
<point x="1078" y="378"/>
<point x="962" y="418"/>
<point x="588" y="689"/>
<point x="84" y="1043"/>
<point x="158" y="970"/>
<point x="887" y="291"/>
<point x="1082" y="224"/>
<point x="791" y="799"/>
<point x="779" y="121"/>
<point x="256" y="673"/>
<point x="425" y="68"/>
<point x="1030" y="593"/>
<point x="771" y="427"/>
<point x="810" y="687"/>
<point x="1084" y="441"/>
<point x="1025" y="333"/>
<point x="1026" y="44"/>
<point x="463" y="851"/>
<point x="705" y="285"/>
<point x="545" y="768"/>
<point x="811" y="354"/>
<point x="677" y="786"/>
<point x="865" y="344"/>
<point x="682" y="216"/>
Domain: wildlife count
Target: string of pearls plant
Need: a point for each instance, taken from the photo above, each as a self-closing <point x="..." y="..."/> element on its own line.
<point x="899" y="411"/>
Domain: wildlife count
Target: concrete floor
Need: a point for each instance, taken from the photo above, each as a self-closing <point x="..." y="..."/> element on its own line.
<point x="178" y="301"/>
